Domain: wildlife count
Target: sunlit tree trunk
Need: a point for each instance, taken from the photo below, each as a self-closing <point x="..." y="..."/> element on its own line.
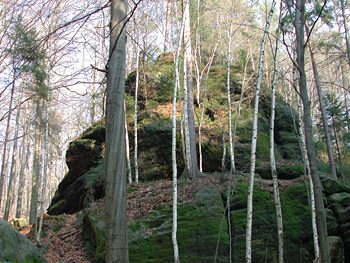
<point x="135" y="115"/>
<point x="115" y="211"/>
<point x="229" y="104"/>
<point x="127" y="148"/>
<point x="254" y="138"/>
<point x="190" y="132"/>
<point x="173" y="147"/>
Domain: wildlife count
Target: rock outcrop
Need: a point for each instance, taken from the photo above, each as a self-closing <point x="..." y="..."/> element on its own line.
<point x="16" y="248"/>
<point x="84" y="180"/>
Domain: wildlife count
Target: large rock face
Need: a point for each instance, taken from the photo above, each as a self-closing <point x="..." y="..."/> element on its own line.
<point x="84" y="180"/>
<point x="202" y="228"/>
<point x="338" y="202"/>
<point x="16" y="248"/>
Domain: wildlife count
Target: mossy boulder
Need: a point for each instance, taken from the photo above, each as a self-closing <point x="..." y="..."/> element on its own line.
<point x="332" y="185"/>
<point x="16" y="248"/>
<point x="342" y="198"/>
<point x="202" y="229"/>
<point x="84" y="180"/>
<point x="88" y="187"/>
<point x="296" y="219"/>
<point x="284" y="171"/>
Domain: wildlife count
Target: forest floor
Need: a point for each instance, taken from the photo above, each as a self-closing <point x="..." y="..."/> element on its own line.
<point x="64" y="242"/>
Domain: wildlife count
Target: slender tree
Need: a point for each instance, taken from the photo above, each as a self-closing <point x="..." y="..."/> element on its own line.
<point x="116" y="221"/>
<point x="229" y="104"/>
<point x="190" y="132"/>
<point x="135" y="114"/>
<point x="254" y="138"/>
<point x="276" y="192"/>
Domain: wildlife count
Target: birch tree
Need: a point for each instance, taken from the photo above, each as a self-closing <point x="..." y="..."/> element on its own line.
<point x="254" y="137"/>
<point x="115" y="211"/>
<point x="276" y="192"/>
<point x="229" y="104"/>
<point x="190" y="132"/>
<point x="135" y="114"/>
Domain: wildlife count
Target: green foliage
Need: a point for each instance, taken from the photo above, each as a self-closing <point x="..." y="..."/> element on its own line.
<point x="30" y="58"/>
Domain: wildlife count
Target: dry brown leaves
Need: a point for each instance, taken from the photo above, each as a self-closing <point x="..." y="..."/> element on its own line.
<point x="64" y="240"/>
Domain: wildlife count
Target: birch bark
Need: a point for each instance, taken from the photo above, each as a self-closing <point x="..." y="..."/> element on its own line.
<point x="254" y="138"/>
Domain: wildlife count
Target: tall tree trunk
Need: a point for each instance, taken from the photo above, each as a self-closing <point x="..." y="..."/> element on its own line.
<point x="308" y="174"/>
<point x="299" y="22"/>
<point x="276" y="192"/>
<point x="173" y="147"/>
<point x="44" y="173"/>
<point x="323" y="111"/>
<point x="36" y="166"/>
<point x="7" y="133"/>
<point x="229" y="104"/>
<point x="13" y="169"/>
<point x="135" y="116"/>
<point x="115" y="211"/>
<point x="190" y="132"/>
<point x="25" y="152"/>
<point x="254" y="138"/>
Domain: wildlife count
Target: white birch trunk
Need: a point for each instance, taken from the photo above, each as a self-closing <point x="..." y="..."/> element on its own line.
<point x="127" y="148"/>
<point x="223" y="139"/>
<point x="307" y="169"/>
<point x="135" y="116"/>
<point x="229" y="105"/>
<point x="254" y="139"/>
<point x="276" y="193"/>
<point x="190" y="132"/>
<point x="173" y="148"/>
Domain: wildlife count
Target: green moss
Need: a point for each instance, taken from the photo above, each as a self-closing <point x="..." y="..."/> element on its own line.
<point x="296" y="218"/>
<point x="94" y="177"/>
<point x="198" y="228"/>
